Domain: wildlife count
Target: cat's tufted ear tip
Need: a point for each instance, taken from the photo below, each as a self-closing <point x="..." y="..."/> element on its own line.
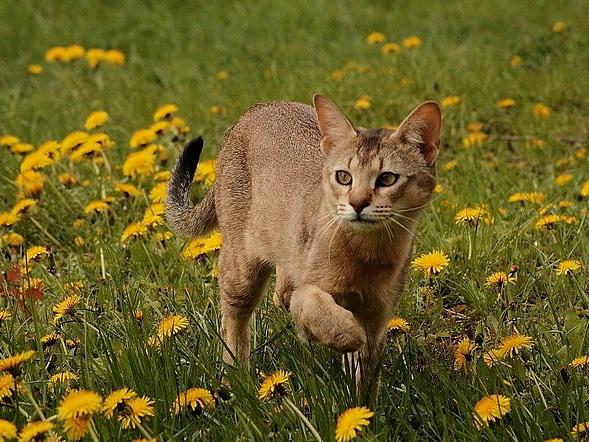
<point x="423" y="128"/>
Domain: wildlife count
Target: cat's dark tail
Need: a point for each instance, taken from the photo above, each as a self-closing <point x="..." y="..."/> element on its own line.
<point x="182" y="218"/>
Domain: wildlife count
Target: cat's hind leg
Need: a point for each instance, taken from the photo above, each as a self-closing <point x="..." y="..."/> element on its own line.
<point x="319" y="318"/>
<point x="242" y="282"/>
<point x="283" y="289"/>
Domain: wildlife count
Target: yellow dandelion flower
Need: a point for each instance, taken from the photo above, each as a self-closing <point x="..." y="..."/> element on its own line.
<point x="222" y="75"/>
<point x="13" y="364"/>
<point x="7" y="430"/>
<point x="205" y="172"/>
<point x="54" y="54"/>
<point x="77" y="427"/>
<point x="580" y="362"/>
<point x="115" y="57"/>
<point x="164" y="112"/>
<point x="532" y="197"/>
<point x="351" y="422"/>
<point x="163" y="236"/>
<point x="49" y="339"/>
<point x="565" y="204"/>
<point x="98" y="206"/>
<point x="73" y="140"/>
<point x="34" y="69"/>
<point x="337" y="75"/>
<point x="450" y="101"/>
<point x="140" y="163"/>
<point x="475" y="126"/>
<point x="563" y="178"/>
<point x="35" y="161"/>
<point x="158" y="193"/>
<point x="4" y="315"/>
<point x="23" y="206"/>
<point x="493" y="356"/>
<point x="398" y="324"/>
<point x="115" y="400"/>
<point x="95" y="119"/>
<point x="88" y="150"/>
<point x="35" y="431"/>
<point x="180" y="125"/>
<point x="559" y="26"/>
<point x="8" y="218"/>
<point x="66" y="307"/>
<point x="35" y="252"/>
<point x="128" y="189"/>
<point x="216" y="110"/>
<point x="363" y="103"/>
<point x="511" y="345"/>
<point x="491" y="408"/>
<point x="134" y="411"/>
<point x="555" y="439"/>
<point x="11" y="239"/>
<point x="195" y="399"/>
<point x="439" y="188"/>
<point x="164" y="175"/>
<point x="7" y="385"/>
<point x="584" y="192"/>
<point x="505" y="103"/>
<point x="133" y="230"/>
<point x="73" y="52"/>
<point x="274" y="385"/>
<point x="94" y="56"/>
<point x="202" y="245"/>
<point x="63" y="377"/>
<point x="159" y="127"/>
<point x="540" y="110"/>
<point x="431" y="263"/>
<point x="500" y="279"/>
<point x="580" y="429"/>
<point x="171" y="325"/>
<point x="548" y="222"/>
<point x="515" y="61"/>
<point x="30" y="182"/>
<point x="67" y="179"/>
<point x="463" y="353"/>
<point x="375" y="37"/>
<point x="79" y="403"/>
<point x="473" y="216"/>
<point x="411" y="42"/>
<point x="8" y="140"/>
<point x="568" y="267"/>
<point x="474" y="139"/>
<point x="22" y="148"/>
<point x="391" y="48"/>
<point x="142" y="137"/>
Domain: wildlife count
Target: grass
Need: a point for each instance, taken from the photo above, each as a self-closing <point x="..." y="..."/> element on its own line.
<point x="288" y="51"/>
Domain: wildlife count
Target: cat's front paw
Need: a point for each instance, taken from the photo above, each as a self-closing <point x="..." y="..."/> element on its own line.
<point x="347" y="336"/>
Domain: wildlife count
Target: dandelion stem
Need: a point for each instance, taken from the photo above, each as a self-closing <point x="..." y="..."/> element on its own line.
<point x="42" y="229"/>
<point x="144" y="431"/>
<point x="300" y="414"/>
<point x="30" y="397"/>
<point x="93" y="432"/>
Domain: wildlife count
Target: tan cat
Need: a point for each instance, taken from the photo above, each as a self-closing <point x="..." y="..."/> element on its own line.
<point x="331" y="206"/>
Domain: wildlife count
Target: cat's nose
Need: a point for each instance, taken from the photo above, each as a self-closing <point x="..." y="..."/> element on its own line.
<point x="359" y="206"/>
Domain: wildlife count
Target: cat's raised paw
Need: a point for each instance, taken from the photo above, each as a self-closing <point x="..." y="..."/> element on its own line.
<point x="348" y="336"/>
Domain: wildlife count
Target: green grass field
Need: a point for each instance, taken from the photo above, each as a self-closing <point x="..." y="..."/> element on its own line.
<point x="215" y="59"/>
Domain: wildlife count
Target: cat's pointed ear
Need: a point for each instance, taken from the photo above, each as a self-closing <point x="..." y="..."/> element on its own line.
<point x="335" y="128"/>
<point x="422" y="128"/>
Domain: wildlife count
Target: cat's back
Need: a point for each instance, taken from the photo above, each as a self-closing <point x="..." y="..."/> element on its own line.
<point x="276" y="136"/>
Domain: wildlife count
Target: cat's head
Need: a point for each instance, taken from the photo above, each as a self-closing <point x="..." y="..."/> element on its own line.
<point x="373" y="177"/>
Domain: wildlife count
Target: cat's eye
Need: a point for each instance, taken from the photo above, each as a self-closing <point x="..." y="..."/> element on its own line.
<point x="343" y="177"/>
<point x="386" y="179"/>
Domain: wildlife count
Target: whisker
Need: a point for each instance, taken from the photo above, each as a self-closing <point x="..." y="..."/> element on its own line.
<point x="402" y="226"/>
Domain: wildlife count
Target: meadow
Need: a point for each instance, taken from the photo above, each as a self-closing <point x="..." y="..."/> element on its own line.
<point x="109" y="322"/>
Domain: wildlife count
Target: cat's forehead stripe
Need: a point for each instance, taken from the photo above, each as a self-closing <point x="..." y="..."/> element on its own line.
<point x="369" y="144"/>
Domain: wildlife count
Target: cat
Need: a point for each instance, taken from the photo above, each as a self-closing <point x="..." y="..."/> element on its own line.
<point x="331" y="206"/>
